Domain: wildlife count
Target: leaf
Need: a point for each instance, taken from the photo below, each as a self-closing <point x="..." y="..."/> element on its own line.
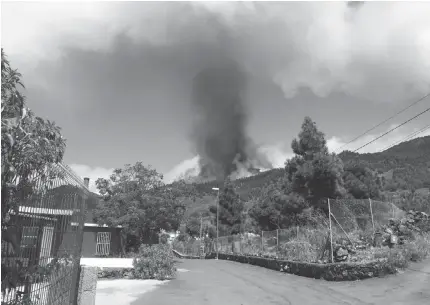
<point x="11" y="122"/>
<point x="10" y="235"/>
<point x="24" y="113"/>
<point x="11" y="141"/>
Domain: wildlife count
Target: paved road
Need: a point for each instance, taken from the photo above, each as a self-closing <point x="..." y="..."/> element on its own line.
<point x="211" y="282"/>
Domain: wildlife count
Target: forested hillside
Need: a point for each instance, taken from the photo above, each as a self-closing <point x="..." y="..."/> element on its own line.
<point x="403" y="167"/>
<point x="400" y="174"/>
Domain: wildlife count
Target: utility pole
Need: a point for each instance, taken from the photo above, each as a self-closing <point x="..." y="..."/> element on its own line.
<point x="201" y="226"/>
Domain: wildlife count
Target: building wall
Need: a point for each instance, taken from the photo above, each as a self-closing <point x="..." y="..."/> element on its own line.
<point x="90" y="240"/>
<point x="64" y="238"/>
<point x="24" y="221"/>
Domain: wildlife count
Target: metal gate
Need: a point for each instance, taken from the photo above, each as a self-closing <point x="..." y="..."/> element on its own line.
<point x="41" y="248"/>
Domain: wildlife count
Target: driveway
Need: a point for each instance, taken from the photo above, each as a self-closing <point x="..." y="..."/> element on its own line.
<point x="214" y="282"/>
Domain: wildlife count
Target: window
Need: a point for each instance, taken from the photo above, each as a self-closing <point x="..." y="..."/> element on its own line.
<point x="103" y="243"/>
<point x="29" y="237"/>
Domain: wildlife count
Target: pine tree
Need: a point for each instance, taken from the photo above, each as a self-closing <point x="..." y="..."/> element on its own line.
<point x="313" y="172"/>
<point x="230" y="209"/>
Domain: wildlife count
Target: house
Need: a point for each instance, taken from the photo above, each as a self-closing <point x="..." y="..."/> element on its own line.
<point x="45" y="227"/>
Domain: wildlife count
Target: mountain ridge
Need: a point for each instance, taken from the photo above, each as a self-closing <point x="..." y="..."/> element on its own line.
<point x="406" y="164"/>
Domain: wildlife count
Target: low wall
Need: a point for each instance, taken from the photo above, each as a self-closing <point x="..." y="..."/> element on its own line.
<point x="107" y="262"/>
<point x="110" y="267"/>
<point x="329" y="272"/>
<point x="87" y="286"/>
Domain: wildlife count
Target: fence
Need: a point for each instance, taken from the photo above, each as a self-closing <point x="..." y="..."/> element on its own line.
<point x="42" y="227"/>
<point x="190" y="247"/>
<point x="360" y="218"/>
<point x="247" y="244"/>
<point x="351" y="219"/>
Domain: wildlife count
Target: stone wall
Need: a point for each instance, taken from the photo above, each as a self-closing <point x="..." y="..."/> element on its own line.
<point x="329" y="272"/>
<point x="87" y="286"/>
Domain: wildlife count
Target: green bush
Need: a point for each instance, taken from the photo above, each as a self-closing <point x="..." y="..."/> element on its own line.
<point x="398" y="258"/>
<point x="419" y="248"/>
<point x="154" y="262"/>
<point x="415" y="251"/>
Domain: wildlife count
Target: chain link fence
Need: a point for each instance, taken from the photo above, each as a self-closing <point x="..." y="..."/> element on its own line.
<point x="191" y="247"/>
<point x="247" y="244"/>
<point x="350" y="219"/>
<point x="360" y="218"/>
<point x="360" y="222"/>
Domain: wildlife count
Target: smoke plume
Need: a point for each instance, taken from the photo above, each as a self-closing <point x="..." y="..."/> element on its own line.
<point x="219" y="133"/>
<point x="133" y="62"/>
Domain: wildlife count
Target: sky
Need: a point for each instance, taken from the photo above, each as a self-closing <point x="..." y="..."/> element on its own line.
<point x="116" y="76"/>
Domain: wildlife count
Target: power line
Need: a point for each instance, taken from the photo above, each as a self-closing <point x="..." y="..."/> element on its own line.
<point x="391" y="130"/>
<point x="408" y="137"/>
<point x="376" y="126"/>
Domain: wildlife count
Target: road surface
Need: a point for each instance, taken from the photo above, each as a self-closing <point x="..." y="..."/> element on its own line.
<point x="211" y="282"/>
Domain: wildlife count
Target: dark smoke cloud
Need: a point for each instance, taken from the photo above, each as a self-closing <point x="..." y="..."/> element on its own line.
<point x="219" y="100"/>
<point x="133" y="62"/>
<point x="355" y="4"/>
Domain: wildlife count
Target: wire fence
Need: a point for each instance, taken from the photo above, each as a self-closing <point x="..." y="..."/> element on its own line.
<point x="351" y="219"/>
<point x="362" y="215"/>
<point x="42" y="225"/>
<point x="190" y="247"/>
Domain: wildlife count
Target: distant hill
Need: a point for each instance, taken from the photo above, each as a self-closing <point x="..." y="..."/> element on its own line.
<point x="405" y="166"/>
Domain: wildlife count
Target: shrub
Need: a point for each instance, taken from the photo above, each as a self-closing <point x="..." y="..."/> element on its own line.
<point x="419" y="248"/>
<point x="154" y="262"/>
<point x="398" y="258"/>
<point x="415" y="251"/>
<point x="114" y="273"/>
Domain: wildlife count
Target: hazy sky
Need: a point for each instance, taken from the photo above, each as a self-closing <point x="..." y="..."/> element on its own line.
<point x="117" y="76"/>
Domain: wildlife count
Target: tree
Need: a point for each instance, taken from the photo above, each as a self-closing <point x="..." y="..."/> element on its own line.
<point x="30" y="146"/>
<point x="199" y="221"/>
<point x="136" y="198"/>
<point x="314" y="174"/>
<point x="230" y="210"/>
<point x="360" y="181"/>
<point x="192" y="225"/>
<point x="277" y="207"/>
